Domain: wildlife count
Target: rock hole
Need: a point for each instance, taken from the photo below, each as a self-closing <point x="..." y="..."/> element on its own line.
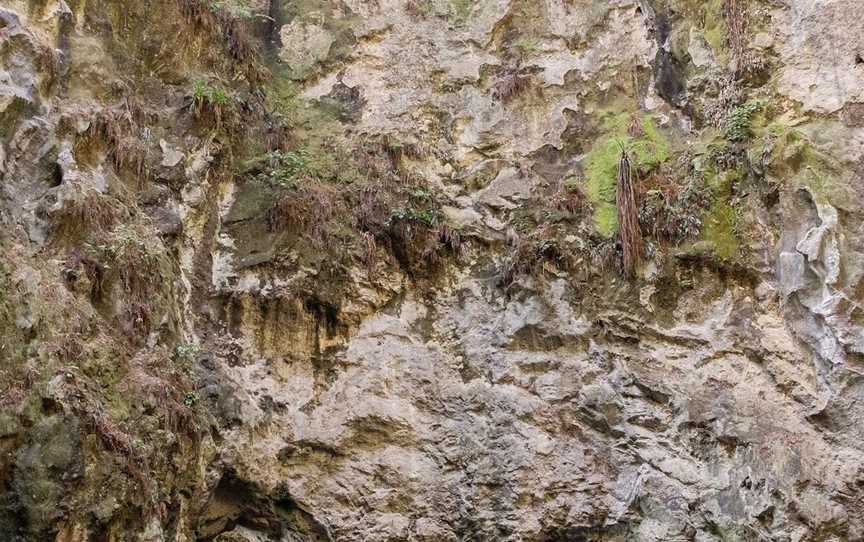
<point x="859" y="60"/>
<point x="56" y="176"/>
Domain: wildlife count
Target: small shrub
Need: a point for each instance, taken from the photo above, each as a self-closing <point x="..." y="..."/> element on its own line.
<point x="673" y="213"/>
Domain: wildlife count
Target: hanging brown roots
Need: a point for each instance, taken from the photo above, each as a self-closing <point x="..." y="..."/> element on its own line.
<point x="628" y="216"/>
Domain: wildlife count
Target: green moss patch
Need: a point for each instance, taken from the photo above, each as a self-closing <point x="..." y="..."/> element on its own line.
<point x="647" y="150"/>
<point x="719" y="229"/>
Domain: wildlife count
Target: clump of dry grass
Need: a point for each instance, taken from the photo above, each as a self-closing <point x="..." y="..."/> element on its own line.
<point x="134" y="262"/>
<point x="511" y="85"/>
<point x="118" y="130"/>
<point x="746" y="62"/>
<point x="571" y="200"/>
<point x="306" y="210"/>
<point x="369" y="251"/>
<point x="736" y="20"/>
<point x="528" y="255"/>
<point x="672" y="211"/>
<point x="371" y="209"/>
<point x="85" y="211"/>
<point x="235" y="34"/>
<point x="442" y="240"/>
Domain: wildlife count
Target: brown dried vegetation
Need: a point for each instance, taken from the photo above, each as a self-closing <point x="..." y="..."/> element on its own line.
<point x="511" y="85"/>
<point x="629" y="230"/>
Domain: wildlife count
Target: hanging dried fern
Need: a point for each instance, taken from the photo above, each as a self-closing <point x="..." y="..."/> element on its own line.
<point x="628" y="216"/>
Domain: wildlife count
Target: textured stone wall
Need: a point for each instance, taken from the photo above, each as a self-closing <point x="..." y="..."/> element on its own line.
<point x="350" y="270"/>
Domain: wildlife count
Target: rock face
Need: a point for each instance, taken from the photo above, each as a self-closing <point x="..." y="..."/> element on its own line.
<point x="350" y="270"/>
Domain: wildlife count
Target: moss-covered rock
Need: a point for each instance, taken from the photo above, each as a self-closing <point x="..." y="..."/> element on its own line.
<point x="636" y="134"/>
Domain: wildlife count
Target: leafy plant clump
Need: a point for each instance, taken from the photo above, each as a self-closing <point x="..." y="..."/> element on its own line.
<point x="739" y="123"/>
<point x="672" y="212"/>
<point x="426" y="217"/>
<point x="240" y="9"/>
<point x="211" y="100"/>
<point x="289" y="169"/>
<point x="210" y="95"/>
<point x="191" y="398"/>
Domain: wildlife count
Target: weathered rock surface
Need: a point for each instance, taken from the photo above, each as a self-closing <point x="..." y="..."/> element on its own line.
<point x="317" y="270"/>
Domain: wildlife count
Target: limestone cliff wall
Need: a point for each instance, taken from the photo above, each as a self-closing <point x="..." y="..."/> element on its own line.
<point x="351" y="270"/>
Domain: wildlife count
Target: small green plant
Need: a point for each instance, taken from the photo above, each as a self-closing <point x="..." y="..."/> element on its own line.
<point x="123" y="245"/>
<point x="186" y="351"/>
<point x="191" y="398"/>
<point x="209" y="99"/>
<point x="427" y="217"/>
<point x="240" y="9"/>
<point x="288" y="169"/>
<point x="205" y="93"/>
<point x="739" y="122"/>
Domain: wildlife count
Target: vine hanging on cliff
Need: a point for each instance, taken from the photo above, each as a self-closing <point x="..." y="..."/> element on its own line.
<point x="628" y="216"/>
